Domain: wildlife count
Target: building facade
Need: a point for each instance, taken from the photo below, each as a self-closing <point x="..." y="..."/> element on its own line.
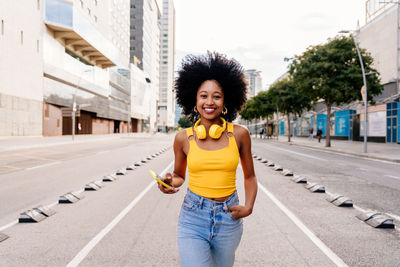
<point x="83" y="64"/>
<point x="145" y="48"/>
<point x="254" y="82"/>
<point x="21" y="68"/>
<point x="166" y="104"/>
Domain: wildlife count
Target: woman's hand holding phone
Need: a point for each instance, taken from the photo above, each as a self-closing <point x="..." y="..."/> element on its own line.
<point x="168" y="180"/>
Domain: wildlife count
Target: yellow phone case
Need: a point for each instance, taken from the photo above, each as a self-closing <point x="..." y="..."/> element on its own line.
<point x="158" y="179"/>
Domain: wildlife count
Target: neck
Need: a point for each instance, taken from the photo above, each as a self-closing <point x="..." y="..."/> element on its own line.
<point x="207" y="123"/>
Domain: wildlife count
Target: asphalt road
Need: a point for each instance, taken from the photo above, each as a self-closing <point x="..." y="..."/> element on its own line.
<point x="130" y="223"/>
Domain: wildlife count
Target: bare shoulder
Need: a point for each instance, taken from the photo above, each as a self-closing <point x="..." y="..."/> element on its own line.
<point x="240" y="131"/>
<point x="181" y="137"/>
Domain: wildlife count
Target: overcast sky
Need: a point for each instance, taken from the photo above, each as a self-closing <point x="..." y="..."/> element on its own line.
<point x="261" y="33"/>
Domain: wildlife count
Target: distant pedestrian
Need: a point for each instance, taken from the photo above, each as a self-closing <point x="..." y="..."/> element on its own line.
<point x="210" y="226"/>
<point x="319" y="135"/>
<point x="311" y="134"/>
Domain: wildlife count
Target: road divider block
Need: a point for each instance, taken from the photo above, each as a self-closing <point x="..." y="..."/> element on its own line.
<point x="70" y="197"/>
<point x="109" y="178"/>
<point x="3" y="237"/>
<point x="131" y="167"/>
<point x="287" y="172"/>
<point x="143" y="161"/>
<point x="31" y="216"/>
<point x="149" y="158"/>
<point x="278" y="168"/>
<point x="137" y="164"/>
<point x="270" y="164"/>
<point x="315" y="188"/>
<point x="264" y="161"/>
<point x="120" y="172"/>
<point x="46" y="211"/>
<point x="376" y="220"/>
<point x="299" y="179"/>
<point x="94" y="186"/>
<point x="340" y="201"/>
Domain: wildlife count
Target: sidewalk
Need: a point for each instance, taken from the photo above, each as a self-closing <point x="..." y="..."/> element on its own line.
<point x="9" y="143"/>
<point x="380" y="151"/>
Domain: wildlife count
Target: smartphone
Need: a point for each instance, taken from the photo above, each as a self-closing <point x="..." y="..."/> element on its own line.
<point x="159" y="179"/>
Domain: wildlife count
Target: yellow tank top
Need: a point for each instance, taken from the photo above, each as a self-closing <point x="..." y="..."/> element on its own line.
<point x="212" y="173"/>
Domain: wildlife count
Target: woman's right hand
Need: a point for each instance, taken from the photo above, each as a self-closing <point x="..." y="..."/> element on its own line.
<point x="168" y="180"/>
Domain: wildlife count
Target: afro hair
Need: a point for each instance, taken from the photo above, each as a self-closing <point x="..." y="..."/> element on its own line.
<point x="213" y="66"/>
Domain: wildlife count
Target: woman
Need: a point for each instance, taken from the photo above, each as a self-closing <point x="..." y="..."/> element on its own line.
<point x="211" y="89"/>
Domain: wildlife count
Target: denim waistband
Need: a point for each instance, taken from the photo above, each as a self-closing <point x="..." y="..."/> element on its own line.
<point x="205" y="202"/>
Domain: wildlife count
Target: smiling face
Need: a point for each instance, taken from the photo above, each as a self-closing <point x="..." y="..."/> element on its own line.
<point x="210" y="100"/>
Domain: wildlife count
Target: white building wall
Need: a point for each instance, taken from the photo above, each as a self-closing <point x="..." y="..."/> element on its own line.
<point x="166" y="111"/>
<point x="151" y="54"/>
<point x="379" y="37"/>
<point x="21" y="67"/>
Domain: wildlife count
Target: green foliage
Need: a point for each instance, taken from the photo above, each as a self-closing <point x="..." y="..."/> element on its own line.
<point x="332" y="72"/>
<point x="184" y="122"/>
<point x="288" y="100"/>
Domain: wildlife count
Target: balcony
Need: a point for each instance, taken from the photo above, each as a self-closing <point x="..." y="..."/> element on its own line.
<point x="78" y="34"/>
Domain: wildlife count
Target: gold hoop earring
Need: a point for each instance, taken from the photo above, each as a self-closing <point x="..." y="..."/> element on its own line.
<point x="195" y="109"/>
<point x="224" y="110"/>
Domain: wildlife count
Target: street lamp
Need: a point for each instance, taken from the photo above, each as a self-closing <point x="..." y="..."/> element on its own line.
<point x="74" y="103"/>
<point x="365" y="89"/>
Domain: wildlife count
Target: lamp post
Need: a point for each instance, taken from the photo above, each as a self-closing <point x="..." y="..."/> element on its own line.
<point x="365" y="90"/>
<point x="74" y="103"/>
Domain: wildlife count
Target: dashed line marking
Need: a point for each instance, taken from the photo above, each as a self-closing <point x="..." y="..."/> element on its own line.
<point x="297" y="153"/>
<point x="392" y="176"/>
<point x="32" y="157"/>
<point x="44" y="165"/>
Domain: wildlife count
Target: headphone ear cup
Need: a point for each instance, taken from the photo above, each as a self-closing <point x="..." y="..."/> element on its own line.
<point x="215" y="131"/>
<point x="201" y="131"/>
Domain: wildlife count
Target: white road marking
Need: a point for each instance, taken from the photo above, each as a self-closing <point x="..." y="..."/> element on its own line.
<point x="102" y="152"/>
<point x="301" y="154"/>
<point x="92" y="243"/>
<point x="348" y="155"/>
<point x="324" y="248"/>
<point x="362" y="169"/>
<point x="392" y="176"/>
<point x="394" y="216"/>
<point x="44" y="165"/>
<point x="8" y="225"/>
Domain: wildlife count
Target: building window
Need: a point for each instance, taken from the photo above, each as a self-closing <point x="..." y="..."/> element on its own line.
<point x="133" y="27"/>
<point x="133" y="6"/>
<point x="88" y="11"/>
<point x="133" y="16"/>
<point x="22" y="37"/>
<point x="2" y="27"/>
<point x="133" y="38"/>
<point x="165" y="57"/>
<point x="38" y="4"/>
<point x="165" y="41"/>
<point x="95" y="2"/>
<point x="81" y="2"/>
<point x="165" y="46"/>
<point x="132" y="48"/>
<point x="95" y="18"/>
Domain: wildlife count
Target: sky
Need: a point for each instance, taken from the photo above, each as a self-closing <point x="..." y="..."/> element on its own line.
<point x="261" y="33"/>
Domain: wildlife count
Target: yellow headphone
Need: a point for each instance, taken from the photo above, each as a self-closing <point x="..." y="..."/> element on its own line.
<point x="214" y="132"/>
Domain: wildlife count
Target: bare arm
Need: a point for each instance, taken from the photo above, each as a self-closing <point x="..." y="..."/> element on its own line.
<point x="250" y="180"/>
<point x="177" y="177"/>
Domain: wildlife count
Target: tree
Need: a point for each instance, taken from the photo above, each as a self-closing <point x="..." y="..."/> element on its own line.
<point x="288" y="100"/>
<point x="331" y="72"/>
<point x="184" y="122"/>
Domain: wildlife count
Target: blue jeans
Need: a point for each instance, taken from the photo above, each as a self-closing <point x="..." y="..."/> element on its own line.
<point x="208" y="235"/>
